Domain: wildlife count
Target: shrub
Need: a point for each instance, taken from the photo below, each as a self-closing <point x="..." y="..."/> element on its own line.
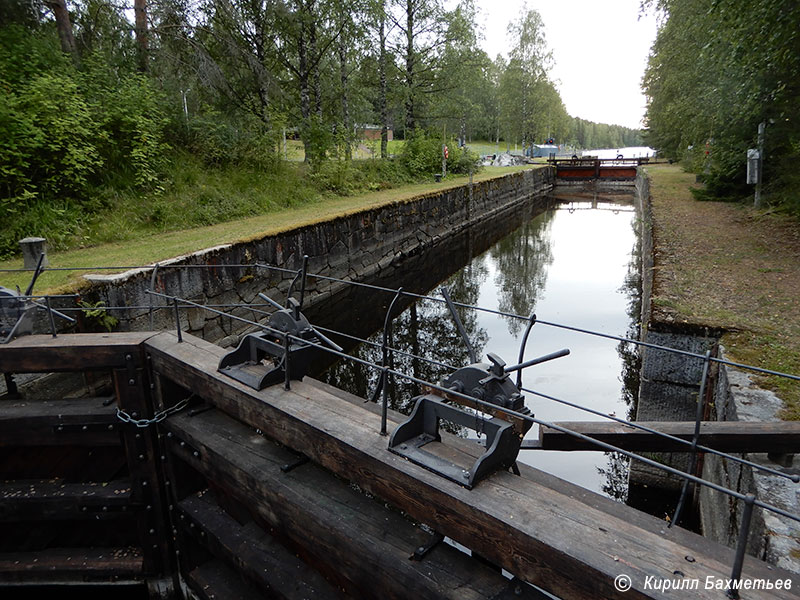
<point x="422" y="156"/>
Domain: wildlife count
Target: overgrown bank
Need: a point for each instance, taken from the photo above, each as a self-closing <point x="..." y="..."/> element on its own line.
<point x="730" y="267"/>
<point x="145" y="247"/>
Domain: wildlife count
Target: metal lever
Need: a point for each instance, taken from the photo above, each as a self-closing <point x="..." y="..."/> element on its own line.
<point x="472" y="356"/>
<point x="536" y="361"/>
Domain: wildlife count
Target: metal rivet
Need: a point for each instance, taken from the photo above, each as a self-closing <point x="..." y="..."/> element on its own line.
<point x="195" y="453"/>
<point x="128" y="357"/>
<point x="131" y="382"/>
<point x="169" y="434"/>
<point x="689" y="558"/>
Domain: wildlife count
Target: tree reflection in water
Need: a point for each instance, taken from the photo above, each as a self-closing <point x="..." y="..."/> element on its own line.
<point x="617" y="470"/>
<point x="425" y="329"/>
<point x="522" y="259"/>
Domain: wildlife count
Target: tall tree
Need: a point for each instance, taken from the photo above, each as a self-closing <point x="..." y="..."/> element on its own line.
<point x="64" y="26"/>
<point x="142" y="42"/>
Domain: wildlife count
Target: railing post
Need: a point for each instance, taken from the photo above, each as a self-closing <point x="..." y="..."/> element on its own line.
<point x="177" y="319"/>
<point x="695" y="438"/>
<point x="741" y="546"/>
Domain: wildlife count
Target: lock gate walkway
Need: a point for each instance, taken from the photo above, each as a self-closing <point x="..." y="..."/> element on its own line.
<point x="291" y="493"/>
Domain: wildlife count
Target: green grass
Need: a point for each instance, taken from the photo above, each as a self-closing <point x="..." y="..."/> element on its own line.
<point x="730" y="267"/>
<point x="129" y="238"/>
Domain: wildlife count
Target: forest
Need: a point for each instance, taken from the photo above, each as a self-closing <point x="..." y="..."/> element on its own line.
<point x="717" y="70"/>
<point x="164" y="114"/>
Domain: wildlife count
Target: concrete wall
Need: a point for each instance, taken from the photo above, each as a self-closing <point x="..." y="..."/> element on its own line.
<point x="668" y="383"/>
<point x="364" y="246"/>
<point x="772" y="538"/>
<point x="668" y="392"/>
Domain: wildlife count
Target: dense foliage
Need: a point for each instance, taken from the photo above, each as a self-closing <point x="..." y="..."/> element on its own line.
<point x="718" y="68"/>
<point x="100" y="105"/>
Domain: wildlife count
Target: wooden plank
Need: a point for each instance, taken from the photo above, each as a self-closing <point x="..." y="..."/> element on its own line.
<point x="70" y="422"/>
<point x="259" y="557"/>
<point x="56" y="500"/>
<point x="215" y="581"/>
<point x="782" y="437"/>
<point x="72" y="566"/>
<point x="73" y="352"/>
<point x="334" y="526"/>
<point x="564" y="543"/>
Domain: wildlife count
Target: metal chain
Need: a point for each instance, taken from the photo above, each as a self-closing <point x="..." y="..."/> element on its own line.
<point x="157" y="418"/>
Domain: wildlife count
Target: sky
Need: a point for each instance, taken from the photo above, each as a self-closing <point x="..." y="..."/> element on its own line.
<point x="600" y="50"/>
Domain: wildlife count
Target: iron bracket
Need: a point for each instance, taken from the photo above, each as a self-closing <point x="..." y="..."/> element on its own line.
<point x="422" y="427"/>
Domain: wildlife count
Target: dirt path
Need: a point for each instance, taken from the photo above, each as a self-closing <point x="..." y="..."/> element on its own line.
<point x="728" y="266"/>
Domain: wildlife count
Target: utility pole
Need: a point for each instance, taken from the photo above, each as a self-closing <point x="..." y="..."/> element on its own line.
<point x="444" y="151"/>
<point x="759" y="173"/>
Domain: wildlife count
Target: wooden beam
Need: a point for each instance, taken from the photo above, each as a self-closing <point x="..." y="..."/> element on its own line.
<point x="73" y="352"/>
<point x="334" y="527"/>
<point x="782" y="437"/>
<point x="254" y="554"/>
<point x="215" y="581"/>
<point x="72" y="566"/>
<point x="55" y="500"/>
<point x="568" y="543"/>
<point x="72" y="422"/>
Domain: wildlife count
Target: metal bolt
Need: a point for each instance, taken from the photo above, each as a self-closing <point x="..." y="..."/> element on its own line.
<point x="84" y="428"/>
<point x="135" y="415"/>
<point x="403" y="446"/>
<point x="141" y="457"/>
<point x="689" y="558"/>
<point x="105" y="509"/>
<point x="111" y="428"/>
<point x="128" y="357"/>
<point x="169" y="434"/>
<point x="182" y="444"/>
<point x="138" y="436"/>
<point x="131" y="382"/>
<point x="163" y="458"/>
<point x="465" y="474"/>
<point x="195" y="454"/>
<point x="152" y="532"/>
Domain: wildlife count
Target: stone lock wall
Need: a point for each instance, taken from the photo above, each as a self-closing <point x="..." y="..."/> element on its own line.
<point x="362" y="246"/>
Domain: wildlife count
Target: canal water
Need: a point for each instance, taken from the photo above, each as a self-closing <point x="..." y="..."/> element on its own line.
<point x="576" y="264"/>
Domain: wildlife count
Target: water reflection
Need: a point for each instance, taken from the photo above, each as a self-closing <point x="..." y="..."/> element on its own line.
<point x="576" y="264"/>
<point x="521" y="262"/>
